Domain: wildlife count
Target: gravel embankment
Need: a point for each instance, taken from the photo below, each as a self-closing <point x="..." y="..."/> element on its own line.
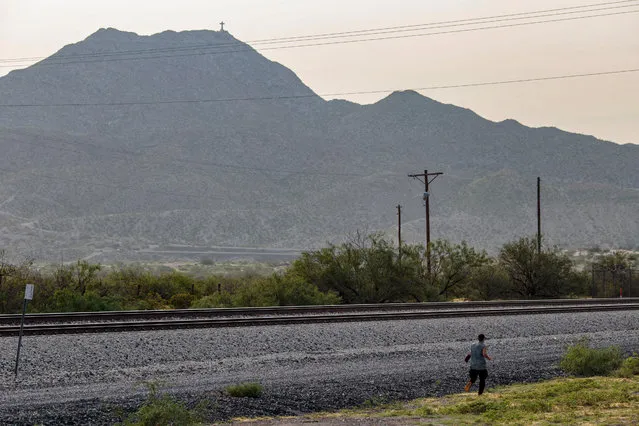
<point x="95" y="378"/>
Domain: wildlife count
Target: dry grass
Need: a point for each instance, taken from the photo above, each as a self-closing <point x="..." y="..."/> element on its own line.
<point x="566" y="401"/>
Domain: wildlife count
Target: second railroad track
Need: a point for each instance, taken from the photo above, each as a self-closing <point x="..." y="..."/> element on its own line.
<point x="127" y="321"/>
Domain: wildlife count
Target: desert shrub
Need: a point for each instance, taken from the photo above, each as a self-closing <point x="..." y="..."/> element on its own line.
<point x="488" y="282"/>
<point x="254" y="293"/>
<point x="535" y="275"/>
<point x="245" y="390"/>
<point x="367" y="269"/>
<point x="209" y="285"/>
<point x="161" y="410"/>
<point x="68" y="300"/>
<point x="167" y="285"/>
<point x="282" y="290"/>
<point x="150" y="301"/>
<point x="629" y="367"/>
<point x="291" y="289"/>
<point x="454" y="266"/>
<point x="181" y="300"/>
<point x="223" y="299"/>
<point x="45" y="288"/>
<point x="131" y="282"/>
<point x="582" y="360"/>
<point x="11" y="297"/>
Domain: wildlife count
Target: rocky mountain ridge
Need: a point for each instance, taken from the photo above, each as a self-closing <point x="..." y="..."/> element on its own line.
<point x="194" y="138"/>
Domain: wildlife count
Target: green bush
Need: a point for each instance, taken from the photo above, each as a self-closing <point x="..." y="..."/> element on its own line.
<point x="535" y="275"/>
<point x="582" y="360"/>
<point x="149" y="302"/>
<point x="67" y="300"/>
<point x="162" y="410"/>
<point x="167" y="285"/>
<point x="291" y="289"/>
<point x="366" y="269"/>
<point x="250" y="390"/>
<point x="282" y="290"/>
<point x="181" y="300"/>
<point x="215" y="300"/>
<point x="629" y="367"/>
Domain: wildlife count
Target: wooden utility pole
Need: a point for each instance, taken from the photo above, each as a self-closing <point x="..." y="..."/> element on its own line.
<point x="399" y="226"/>
<point x="427" y="181"/>
<point x="538" y="215"/>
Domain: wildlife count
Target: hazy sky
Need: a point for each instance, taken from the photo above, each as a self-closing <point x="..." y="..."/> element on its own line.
<point x="604" y="106"/>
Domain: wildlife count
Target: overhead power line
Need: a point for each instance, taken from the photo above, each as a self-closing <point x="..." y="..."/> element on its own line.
<point x="500" y="82"/>
<point x="235" y="168"/>
<point x="318" y="40"/>
<point x="469" y="21"/>
<point x="305" y="96"/>
<point x="355" y="33"/>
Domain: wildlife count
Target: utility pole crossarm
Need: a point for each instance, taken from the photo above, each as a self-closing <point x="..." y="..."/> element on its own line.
<point x="434" y="175"/>
<point x="423" y="175"/>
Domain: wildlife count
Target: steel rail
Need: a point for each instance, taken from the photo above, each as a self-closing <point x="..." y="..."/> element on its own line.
<point x="65" y="317"/>
<point x="104" y="327"/>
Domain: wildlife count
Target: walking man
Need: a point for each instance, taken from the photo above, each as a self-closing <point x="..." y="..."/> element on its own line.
<point x="478" y="357"/>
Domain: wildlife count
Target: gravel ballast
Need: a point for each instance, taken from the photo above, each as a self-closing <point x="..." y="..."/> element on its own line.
<point x="96" y="378"/>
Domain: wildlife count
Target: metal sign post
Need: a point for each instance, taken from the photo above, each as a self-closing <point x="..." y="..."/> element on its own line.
<point x="28" y="295"/>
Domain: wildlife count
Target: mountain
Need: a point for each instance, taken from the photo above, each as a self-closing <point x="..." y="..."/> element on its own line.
<point x="122" y="143"/>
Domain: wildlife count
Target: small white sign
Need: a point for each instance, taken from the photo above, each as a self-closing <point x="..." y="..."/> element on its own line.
<point x="28" y="292"/>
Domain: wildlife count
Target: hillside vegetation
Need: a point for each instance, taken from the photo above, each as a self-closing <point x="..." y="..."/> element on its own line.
<point x="366" y="269"/>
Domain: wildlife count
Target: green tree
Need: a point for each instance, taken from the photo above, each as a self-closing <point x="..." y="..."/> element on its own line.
<point x="616" y="270"/>
<point x="85" y="275"/>
<point x="537" y="275"/>
<point x="487" y="282"/>
<point x="130" y="282"/>
<point x="79" y="275"/>
<point x="452" y="266"/>
<point x="365" y="270"/>
<point x="13" y="277"/>
<point x="7" y="269"/>
<point x="616" y="262"/>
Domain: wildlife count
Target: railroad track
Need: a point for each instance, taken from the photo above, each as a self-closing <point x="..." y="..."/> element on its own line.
<point x="102" y="322"/>
<point x="65" y="317"/>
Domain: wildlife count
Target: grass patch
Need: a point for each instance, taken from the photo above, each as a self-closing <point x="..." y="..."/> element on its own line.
<point x="245" y="390"/>
<point x="602" y="400"/>
<point x="564" y="401"/>
<point x="162" y="410"/>
<point x="582" y="360"/>
<point x="629" y="367"/>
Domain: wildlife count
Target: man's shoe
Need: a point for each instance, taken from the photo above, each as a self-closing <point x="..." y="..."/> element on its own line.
<point x="467" y="387"/>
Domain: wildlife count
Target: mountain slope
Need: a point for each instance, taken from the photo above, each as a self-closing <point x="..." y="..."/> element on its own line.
<point x="254" y="157"/>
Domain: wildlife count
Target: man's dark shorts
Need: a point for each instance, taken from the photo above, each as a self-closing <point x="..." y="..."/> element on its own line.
<point x="481" y="373"/>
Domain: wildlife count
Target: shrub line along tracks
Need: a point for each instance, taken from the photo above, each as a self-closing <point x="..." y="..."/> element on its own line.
<point x="102" y="322"/>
